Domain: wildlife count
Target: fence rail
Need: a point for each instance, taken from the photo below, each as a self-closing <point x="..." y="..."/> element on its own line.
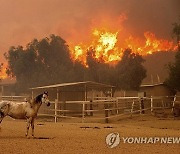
<point x="105" y="108"/>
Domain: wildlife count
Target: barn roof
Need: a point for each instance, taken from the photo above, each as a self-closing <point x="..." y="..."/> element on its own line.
<point x="89" y="84"/>
<point x="152" y="85"/>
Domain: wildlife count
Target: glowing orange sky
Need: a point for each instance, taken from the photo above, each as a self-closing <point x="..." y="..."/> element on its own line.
<point x="23" y="20"/>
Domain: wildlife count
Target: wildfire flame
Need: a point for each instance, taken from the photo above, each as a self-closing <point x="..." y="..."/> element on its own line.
<point x="107" y="50"/>
<point x="3" y="74"/>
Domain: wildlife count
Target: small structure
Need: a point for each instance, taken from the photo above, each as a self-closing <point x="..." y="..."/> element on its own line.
<point x="76" y="91"/>
<point x="156" y="90"/>
<point x="7" y="87"/>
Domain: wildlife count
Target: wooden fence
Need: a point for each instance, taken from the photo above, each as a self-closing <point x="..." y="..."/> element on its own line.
<point x="104" y="108"/>
<point x="111" y="108"/>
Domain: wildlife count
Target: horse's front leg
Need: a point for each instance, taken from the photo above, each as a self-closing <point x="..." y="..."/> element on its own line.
<point x="1" y="118"/>
<point x="0" y="122"/>
<point x="32" y="126"/>
<point x="28" y="125"/>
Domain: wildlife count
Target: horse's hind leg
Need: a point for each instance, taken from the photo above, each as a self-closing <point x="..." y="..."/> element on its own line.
<point x="32" y="126"/>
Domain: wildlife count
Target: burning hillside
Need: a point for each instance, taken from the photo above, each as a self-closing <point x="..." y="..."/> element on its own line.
<point x="109" y="49"/>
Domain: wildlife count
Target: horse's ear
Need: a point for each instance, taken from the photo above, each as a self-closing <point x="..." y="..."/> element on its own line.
<point x="46" y="92"/>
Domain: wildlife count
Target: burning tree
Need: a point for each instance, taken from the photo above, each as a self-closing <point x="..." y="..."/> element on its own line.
<point x="48" y="61"/>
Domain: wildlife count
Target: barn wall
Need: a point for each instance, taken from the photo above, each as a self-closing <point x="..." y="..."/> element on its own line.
<point x="159" y="90"/>
<point x="129" y="93"/>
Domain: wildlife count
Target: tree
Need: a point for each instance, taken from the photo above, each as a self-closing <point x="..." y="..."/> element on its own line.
<point x="174" y="68"/>
<point x="129" y="71"/>
<point x="174" y="73"/>
<point x="127" y="74"/>
<point x="42" y="62"/>
<point x="176" y="33"/>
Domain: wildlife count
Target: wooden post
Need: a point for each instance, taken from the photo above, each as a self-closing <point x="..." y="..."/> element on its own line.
<point x="64" y="108"/>
<point x="117" y="110"/>
<point x="91" y="102"/>
<point x="91" y="107"/>
<point x="83" y="112"/>
<point x="151" y="104"/>
<point x="132" y="108"/>
<point x="85" y="98"/>
<point x="56" y="105"/>
<point x="140" y="107"/>
<point x="111" y="92"/>
<point x="55" y="110"/>
<point x="163" y="106"/>
<point x="173" y="103"/>
<point x="32" y="94"/>
<point x="106" y="112"/>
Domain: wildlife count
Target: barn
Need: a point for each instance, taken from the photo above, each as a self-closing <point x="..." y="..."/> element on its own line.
<point x="159" y="89"/>
<point x="75" y="91"/>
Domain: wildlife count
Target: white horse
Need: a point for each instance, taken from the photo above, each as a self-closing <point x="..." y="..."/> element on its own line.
<point x="24" y="110"/>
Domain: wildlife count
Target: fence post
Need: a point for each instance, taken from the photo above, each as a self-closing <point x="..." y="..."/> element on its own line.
<point x="140" y="105"/>
<point x="106" y="112"/>
<point x="151" y="104"/>
<point x="55" y="110"/>
<point x="163" y="106"/>
<point x="32" y="95"/>
<point x="117" y="110"/>
<point x="173" y="103"/>
<point x="132" y="107"/>
<point x="83" y="112"/>
<point x="91" y="107"/>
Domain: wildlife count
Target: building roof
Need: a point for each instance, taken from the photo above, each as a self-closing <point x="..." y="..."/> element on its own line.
<point x="151" y="85"/>
<point x="89" y="84"/>
<point x="7" y="82"/>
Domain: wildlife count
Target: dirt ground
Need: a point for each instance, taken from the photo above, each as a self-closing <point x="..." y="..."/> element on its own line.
<point x="63" y="137"/>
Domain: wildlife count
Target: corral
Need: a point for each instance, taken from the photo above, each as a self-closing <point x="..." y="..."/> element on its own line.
<point x="94" y="102"/>
<point x="66" y="128"/>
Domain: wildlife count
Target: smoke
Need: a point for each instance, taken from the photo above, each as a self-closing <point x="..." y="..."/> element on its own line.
<point x="22" y="21"/>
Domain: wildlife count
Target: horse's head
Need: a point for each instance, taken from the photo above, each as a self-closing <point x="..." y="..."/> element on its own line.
<point x="43" y="98"/>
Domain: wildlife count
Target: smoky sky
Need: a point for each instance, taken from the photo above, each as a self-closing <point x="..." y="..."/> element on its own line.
<point x="23" y="20"/>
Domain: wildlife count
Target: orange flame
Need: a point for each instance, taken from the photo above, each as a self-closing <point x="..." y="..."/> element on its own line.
<point x="3" y="74"/>
<point x="107" y="50"/>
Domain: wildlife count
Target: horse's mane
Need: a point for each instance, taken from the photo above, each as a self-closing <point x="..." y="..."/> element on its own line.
<point x="38" y="98"/>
